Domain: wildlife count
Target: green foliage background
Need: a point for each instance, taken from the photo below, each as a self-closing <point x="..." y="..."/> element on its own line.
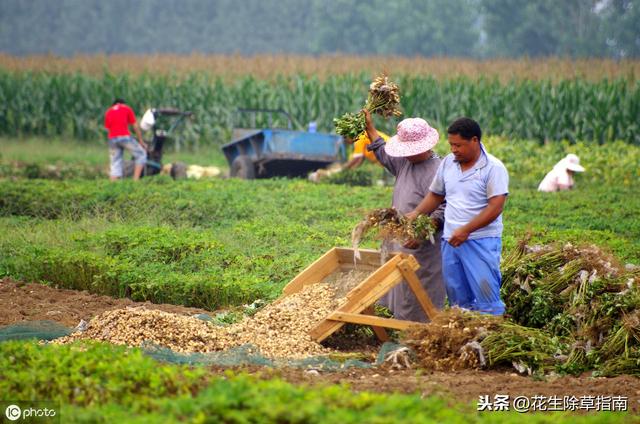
<point x="472" y="28"/>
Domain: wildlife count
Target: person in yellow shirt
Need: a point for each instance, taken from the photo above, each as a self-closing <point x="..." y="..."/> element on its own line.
<point x="356" y="159"/>
<point x="360" y="152"/>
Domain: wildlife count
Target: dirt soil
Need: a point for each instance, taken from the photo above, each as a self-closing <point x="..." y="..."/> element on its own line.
<point x="34" y="302"/>
<point x="459" y="386"/>
<point x="30" y="302"/>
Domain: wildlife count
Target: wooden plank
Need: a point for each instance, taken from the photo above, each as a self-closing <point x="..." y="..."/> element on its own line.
<point x="362" y="296"/>
<point x="366" y="293"/>
<point x="397" y="324"/>
<point x="414" y="283"/>
<point x="375" y="278"/>
<point x="361" y="267"/>
<point x="314" y="273"/>
<point x="367" y="256"/>
<point x="380" y="332"/>
<point x="411" y="262"/>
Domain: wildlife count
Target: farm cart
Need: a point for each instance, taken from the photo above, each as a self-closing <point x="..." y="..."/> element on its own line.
<point x="270" y="152"/>
<point x="171" y="119"/>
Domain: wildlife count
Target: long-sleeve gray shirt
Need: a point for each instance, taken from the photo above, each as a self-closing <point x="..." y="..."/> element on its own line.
<point x="412" y="179"/>
<point x="412" y="185"/>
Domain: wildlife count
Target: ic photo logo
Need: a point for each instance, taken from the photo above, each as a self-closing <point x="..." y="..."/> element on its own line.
<point x="13" y="412"/>
<point x="35" y="411"/>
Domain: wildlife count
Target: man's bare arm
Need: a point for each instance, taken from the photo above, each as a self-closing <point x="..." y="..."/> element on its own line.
<point x="136" y="128"/>
<point x="427" y="205"/>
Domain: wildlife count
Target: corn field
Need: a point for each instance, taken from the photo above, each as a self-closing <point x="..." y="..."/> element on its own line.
<point x="73" y="104"/>
<point x="266" y="66"/>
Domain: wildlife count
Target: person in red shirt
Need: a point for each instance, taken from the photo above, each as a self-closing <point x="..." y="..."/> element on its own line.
<point x="117" y="120"/>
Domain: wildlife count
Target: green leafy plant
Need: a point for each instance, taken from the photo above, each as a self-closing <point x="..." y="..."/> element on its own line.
<point x="383" y="99"/>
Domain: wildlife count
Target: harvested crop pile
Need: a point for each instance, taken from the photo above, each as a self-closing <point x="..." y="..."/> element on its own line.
<point x="383" y="99"/>
<point x="133" y="326"/>
<point x="392" y="225"/>
<point x="450" y="341"/>
<point x="570" y="310"/>
<point x="279" y="330"/>
<point x="580" y="294"/>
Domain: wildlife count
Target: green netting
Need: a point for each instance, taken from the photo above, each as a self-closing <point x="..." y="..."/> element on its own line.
<point x="385" y="349"/>
<point x="39" y="330"/>
<point x="241" y="355"/>
<point x="325" y="363"/>
<point x="204" y="317"/>
<point x="248" y="355"/>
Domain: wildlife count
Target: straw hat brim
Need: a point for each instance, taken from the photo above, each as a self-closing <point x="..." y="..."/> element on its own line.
<point x="575" y="167"/>
<point x="402" y="149"/>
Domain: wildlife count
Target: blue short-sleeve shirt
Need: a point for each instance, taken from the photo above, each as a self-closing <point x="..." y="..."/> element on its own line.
<point x="467" y="193"/>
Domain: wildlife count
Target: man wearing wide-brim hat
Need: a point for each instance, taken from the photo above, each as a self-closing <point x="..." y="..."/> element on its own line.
<point x="475" y="186"/>
<point x="408" y="156"/>
<point x="561" y="176"/>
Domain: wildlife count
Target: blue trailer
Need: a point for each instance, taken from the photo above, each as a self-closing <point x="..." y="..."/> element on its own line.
<point x="270" y="152"/>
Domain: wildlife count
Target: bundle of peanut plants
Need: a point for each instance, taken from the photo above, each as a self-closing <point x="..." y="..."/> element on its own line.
<point x="383" y="99"/>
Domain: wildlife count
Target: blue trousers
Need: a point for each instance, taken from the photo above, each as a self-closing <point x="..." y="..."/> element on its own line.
<point x="471" y="274"/>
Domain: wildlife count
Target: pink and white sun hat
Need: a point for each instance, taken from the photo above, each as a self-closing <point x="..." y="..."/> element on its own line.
<point x="414" y="136"/>
<point x="572" y="163"/>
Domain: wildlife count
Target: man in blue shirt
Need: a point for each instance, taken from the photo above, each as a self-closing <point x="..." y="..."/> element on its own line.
<point x="475" y="185"/>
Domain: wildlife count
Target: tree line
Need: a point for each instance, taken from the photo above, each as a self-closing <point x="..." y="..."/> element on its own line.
<point x="462" y="28"/>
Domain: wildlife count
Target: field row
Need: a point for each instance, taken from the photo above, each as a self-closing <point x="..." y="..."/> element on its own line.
<point x="267" y="66"/>
<point x="73" y="104"/>
<point x="203" y="244"/>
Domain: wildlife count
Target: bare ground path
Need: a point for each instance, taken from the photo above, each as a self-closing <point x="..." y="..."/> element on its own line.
<point x="34" y="302"/>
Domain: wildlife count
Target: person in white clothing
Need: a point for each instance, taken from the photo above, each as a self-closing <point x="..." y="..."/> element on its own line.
<point x="561" y="176"/>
